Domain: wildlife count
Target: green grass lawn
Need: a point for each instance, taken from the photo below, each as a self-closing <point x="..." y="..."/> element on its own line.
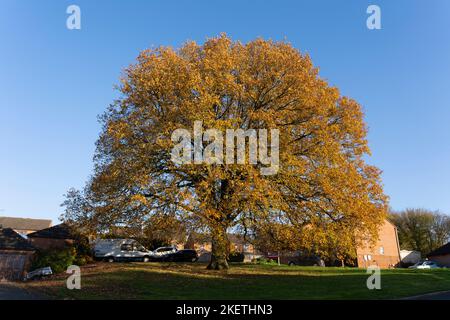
<point x="193" y="281"/>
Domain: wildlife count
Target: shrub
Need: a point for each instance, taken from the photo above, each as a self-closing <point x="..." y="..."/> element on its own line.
<point x="265" y="261"/>
<point x="58" y="260"/>
<point x="81" y="260"/>
<point x="83" y="252"/>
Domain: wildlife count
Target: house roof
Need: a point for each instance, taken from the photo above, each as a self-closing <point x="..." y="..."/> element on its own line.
<point x="445" y="249"/>
<point x="60" y="231"/>
<point x="11" y="240"/>
<point x="24" y="223"/>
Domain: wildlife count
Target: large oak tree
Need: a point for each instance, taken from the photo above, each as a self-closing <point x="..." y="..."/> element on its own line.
<point x="421" y="230"/>
<point x="323" y="193"/>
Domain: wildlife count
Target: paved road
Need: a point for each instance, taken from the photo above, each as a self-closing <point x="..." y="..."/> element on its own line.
<point x="13" y="292"/>
<point x="444" y="295"/>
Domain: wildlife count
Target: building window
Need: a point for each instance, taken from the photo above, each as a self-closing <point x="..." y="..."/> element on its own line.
<point x="365" y="257"/>
<point x="369" y="257"/>
<point x="381" y="250"/>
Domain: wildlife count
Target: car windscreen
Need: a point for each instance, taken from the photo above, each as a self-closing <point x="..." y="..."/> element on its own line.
<point x="126" y="247"/>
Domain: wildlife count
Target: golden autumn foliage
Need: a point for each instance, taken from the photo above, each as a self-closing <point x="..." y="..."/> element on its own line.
<point x="323" y="195"/>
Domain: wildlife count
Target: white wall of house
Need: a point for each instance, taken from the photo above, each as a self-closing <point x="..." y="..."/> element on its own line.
<point x="410" y="256"/>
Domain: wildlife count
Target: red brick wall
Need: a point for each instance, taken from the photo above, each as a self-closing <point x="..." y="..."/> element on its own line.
<point x="48" y="244"/>
<point x="385" y="253"/>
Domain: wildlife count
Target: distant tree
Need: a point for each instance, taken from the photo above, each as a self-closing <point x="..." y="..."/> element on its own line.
<point x="422" y="230"/>
<point x="322" y="193"/>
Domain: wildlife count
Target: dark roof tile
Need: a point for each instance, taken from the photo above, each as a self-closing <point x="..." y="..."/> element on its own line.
<point x="11" y="240"/>
<point x="445" y="249"/>
<point x="60" y="231"/>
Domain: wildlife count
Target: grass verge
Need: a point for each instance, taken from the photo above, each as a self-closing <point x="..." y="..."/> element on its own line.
<point x="241" y="281"/>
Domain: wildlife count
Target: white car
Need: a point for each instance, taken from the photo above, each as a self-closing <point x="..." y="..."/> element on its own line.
<point x="39" y="273"/>
<point x="162" y="251"/>
<point x="121" y="250"/>
<point x="425" y="265"/>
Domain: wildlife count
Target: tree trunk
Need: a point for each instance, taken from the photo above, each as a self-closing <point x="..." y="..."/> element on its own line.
<point x="220" y="248"/>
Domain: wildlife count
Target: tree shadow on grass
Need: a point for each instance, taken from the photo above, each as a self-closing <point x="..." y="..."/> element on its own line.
<point x="181" y="281"/>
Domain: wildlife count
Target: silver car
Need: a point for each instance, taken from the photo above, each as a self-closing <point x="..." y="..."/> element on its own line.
<point x="427" y="264"/>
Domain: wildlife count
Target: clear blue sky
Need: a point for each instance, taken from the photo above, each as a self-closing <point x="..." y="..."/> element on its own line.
<point x="54" y="82"/>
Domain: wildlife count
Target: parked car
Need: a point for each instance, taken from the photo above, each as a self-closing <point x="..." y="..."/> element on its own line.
<point x="39" y="273"/>
<point x="299" y="258"/>
<point x="121" y="250"/>
<point x="163" y="251"/>
<point x="186" y="255"/>
<point x="306" y="261"/>
<point x="427" y="264"/>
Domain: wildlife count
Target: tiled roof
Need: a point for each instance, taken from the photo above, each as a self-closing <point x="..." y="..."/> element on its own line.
<point x="445" y="249"/>
<point x="24" y="224"/>
<point x="60" y="231"/>
<point x="11" y="240"/>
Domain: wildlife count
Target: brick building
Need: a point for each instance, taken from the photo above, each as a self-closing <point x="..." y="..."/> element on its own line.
<point x="56" y="237"/>
<point x="202" y="244"/>
<point x="441" y="255"/>
<point x="15" y="254"/>
<point x="386" y="251"/>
